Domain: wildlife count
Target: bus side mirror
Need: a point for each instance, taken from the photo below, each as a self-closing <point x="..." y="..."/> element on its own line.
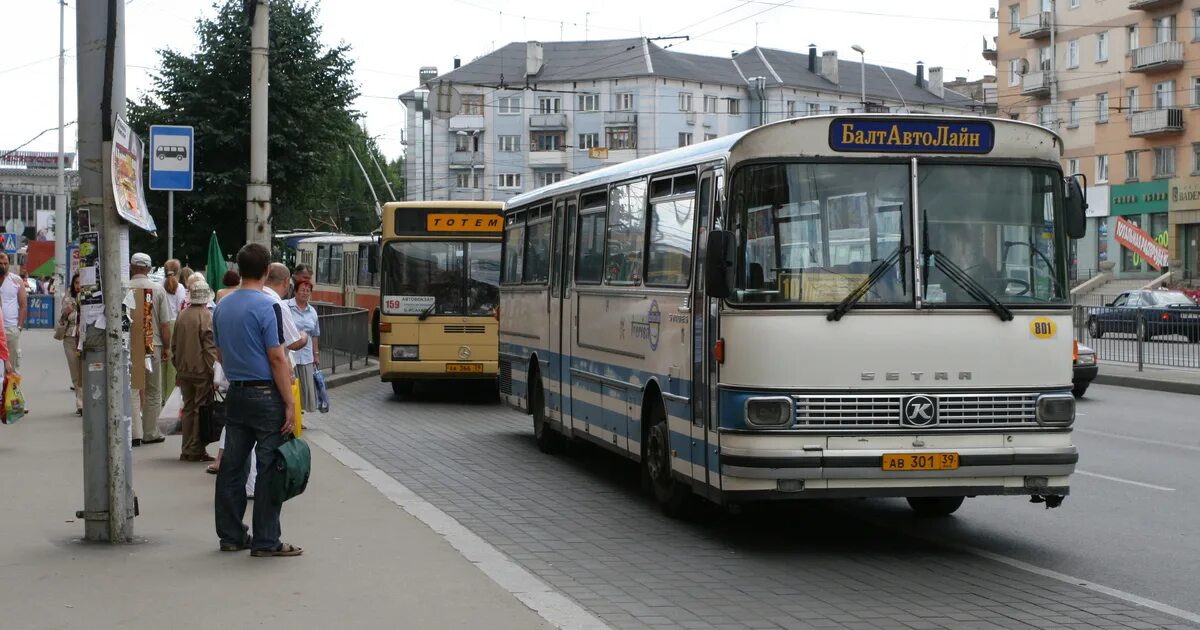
<point x="373" y="258"/>
<point x="1076" y="206"/>
<point x="719" y="264"/>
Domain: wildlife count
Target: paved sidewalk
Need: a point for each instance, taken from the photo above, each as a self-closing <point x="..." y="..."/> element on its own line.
<point x="1164" y="379"/>
<point x="367" y="563"/>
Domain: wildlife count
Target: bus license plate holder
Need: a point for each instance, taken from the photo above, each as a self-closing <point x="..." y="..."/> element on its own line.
<point x="472" y="368"/>
<point x="904" y="462"/>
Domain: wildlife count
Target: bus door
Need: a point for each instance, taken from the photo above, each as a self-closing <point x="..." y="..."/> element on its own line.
<point x="349" y="278"/>
<point x="559" y="389"/>
<point x="704" y="333"/>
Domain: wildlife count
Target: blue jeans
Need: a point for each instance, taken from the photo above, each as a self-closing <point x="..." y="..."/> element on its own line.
<point x="254" y="419"/>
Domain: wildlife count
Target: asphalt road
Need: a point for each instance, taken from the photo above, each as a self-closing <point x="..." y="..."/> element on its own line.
<point x="1133" y="516"/>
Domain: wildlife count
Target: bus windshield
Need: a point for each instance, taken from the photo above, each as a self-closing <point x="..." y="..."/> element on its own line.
<point x="811" y="233"/>
<point x="441" y="278"/>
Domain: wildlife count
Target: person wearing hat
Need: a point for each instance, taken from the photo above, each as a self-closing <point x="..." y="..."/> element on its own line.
<point x="193" y="353"/>
<point x="155" y="332"/>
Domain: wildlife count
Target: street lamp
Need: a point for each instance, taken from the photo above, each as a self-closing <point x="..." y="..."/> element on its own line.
<point x="862" y="55"/>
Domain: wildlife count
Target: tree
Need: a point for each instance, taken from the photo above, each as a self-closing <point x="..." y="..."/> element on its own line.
<point x="342" y="200"/>
<point x="310" y="119"/>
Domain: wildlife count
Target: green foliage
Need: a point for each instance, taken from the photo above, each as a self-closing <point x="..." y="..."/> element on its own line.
<point x="310" y="121"/>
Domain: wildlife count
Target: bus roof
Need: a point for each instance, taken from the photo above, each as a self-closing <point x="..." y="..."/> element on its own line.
<point x="807" y="136"/>
<point x="466" y="205"/>
<point x="338" y="238"/>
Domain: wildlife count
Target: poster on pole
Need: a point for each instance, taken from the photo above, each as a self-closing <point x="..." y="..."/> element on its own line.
<point x="91" y="299"/>
<point x="127" y="177"/>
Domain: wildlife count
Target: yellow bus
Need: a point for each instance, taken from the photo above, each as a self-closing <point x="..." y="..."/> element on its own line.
<point x="440" y="294"/>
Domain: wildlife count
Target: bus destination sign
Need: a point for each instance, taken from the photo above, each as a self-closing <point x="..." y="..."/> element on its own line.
<point x="456" y="222"/>
<point x="911" y="136"/>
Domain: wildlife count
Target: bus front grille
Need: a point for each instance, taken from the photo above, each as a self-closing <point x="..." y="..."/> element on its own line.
<point x="884" y="411"/>
<point x="459" y="329"/>
<point x="505" y="377"/>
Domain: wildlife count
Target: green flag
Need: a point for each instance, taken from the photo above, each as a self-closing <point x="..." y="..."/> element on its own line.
<point x="214" y="272"/>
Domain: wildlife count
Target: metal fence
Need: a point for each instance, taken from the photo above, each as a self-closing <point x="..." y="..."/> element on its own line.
<point x="1143" y="336"/>
<point x="345" y="336"/>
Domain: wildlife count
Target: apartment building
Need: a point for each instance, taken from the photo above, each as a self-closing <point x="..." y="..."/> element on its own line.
<point x="1120" y="81"/>
<point x="531" y="113"/>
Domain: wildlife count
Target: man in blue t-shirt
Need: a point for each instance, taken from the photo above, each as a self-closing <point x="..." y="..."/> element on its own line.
<point x="248" y="331"/>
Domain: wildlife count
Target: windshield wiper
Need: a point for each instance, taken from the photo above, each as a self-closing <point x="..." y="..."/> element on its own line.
<point x="971" y="285"/>
<point x="426" y="312"/>
<point x="860" y="291"/>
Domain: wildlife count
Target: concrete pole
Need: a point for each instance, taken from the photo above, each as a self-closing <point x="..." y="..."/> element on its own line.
<point x="1053" y="67"/>
<point x="61" y="233"/>
<point x="107" y="457"/>
<point x="258" y="191"/>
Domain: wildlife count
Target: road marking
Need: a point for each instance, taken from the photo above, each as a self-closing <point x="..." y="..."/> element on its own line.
<point x="552" y="605"/>
<point x="1131" y="438"/>
<point x="1128" y="481"/>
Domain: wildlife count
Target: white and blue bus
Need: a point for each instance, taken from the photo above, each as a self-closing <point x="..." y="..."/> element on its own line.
<point x="831" y="306"/>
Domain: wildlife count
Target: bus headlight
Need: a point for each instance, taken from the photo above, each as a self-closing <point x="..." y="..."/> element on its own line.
<point x="1056" y="410"/>
<point x="404" y="353"/>
<point x="773" y="412"/>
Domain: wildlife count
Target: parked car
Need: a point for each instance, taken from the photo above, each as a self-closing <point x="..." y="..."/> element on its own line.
<point x="1147" y="314"/>
<point x="1085" y="369"/>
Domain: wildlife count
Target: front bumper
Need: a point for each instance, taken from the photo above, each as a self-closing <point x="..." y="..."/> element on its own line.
<point x="1085" y="373"/>
<point x="390" y="370"/>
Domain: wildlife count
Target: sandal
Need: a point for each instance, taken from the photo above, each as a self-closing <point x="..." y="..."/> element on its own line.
<point x="212" y="470"/>
<point x="284" y="550"/>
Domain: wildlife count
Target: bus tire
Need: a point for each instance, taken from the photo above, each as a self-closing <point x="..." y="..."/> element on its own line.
<point x="673" y="497"/>
<point x="374" y="349"/>
<point x="547" y="439"/>
<point x="402" y="388"/>
<point x="934" y="507"/>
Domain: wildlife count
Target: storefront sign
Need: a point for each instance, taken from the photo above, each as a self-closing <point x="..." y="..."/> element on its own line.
<point x="1140" y="243"/>
<point x="1139" y="198"/>
<point x="35" y="159"/>
<point x="1185" y="194"/>
<point x="1098" y="201"/>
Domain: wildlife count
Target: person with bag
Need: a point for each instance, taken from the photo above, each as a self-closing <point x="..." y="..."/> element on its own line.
<point x="194" y="356"/>
<point x="155" y="332"/>
<point x="11" y="378"/>
<point x="307" y="358"/>
<point x="66" y="330"/>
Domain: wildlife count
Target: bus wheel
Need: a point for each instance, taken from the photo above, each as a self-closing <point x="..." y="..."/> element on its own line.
<point x="934" y="507"/>
<point x="672" y="496"/>
<point x="548" y="440"/>
<point x="402" y="388"/>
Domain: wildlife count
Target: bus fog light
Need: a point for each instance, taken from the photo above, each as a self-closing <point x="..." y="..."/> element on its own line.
<point x="769" y="412"/>
<point x="404" y="353"/>
<point x="1056" y="409"/>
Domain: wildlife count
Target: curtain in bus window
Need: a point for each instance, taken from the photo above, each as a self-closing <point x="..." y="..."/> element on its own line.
<point x="626" y="221"/>
<point x="514" y="254"/>
<point x="483" y="278"/>
<point x="537" y="252"/>
<point x="591" y="248"/>
<point x="670" y="260"/>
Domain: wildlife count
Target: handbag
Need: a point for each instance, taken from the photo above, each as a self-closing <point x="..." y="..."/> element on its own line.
<point x="322" y="393"/>
<point x="60" y="330"/>
<point x="293" y="465"/>
<point x="297" y="403"/>
<point x="212" y="419"/>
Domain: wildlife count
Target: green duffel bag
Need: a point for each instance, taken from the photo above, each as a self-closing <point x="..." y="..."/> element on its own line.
<point x="292" y="469"/>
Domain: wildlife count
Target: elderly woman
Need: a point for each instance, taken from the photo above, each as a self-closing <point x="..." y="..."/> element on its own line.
<point x="309" y="357"/>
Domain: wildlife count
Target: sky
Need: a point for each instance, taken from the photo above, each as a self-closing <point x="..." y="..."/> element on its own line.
<point x="391" y="40"/>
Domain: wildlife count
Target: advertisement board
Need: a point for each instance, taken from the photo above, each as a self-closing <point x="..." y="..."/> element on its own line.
<point x="1138" y="241"/>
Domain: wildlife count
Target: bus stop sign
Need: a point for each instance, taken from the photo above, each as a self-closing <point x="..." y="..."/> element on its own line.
<point x="172" y="156"/>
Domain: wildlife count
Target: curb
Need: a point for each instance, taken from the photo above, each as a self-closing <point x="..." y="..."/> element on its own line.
<point x="1140" y="382"/>
<point x="345" y="378"/>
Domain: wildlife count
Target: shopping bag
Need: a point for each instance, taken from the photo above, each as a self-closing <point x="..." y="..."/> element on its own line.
<point x="292" y="469"/>
<point x="170" y="421"/>
<point x="322" y="393"/>
<point x="299" y="430"/>
<point x="14" y="402"/>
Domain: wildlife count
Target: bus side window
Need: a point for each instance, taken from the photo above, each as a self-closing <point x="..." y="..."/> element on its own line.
<point x="590" y="248"/>
<point x="626" y="232"/>
<point x="514" y="249"/>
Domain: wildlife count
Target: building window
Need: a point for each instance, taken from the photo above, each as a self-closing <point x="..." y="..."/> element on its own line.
<point x="1131" y="100"/>
<point x="833" y="109"/>
<point x="1196" y="158"/>
<point x="1045" y="116"/>
<point x="814" y="109"/>
<point x="624" y="101"/>
<point x="710" y="104"/>
<point x="1102" y="107"/>
<point x="685" y="138"/>
<point x="1131" y="37"/>
<point x="1073" y="113"/>
<point x="508" y="180"/>
<point x="1164" y="29"/>
<point x="549" y="105"/>
<point x="620" y="138"/>
<point x="589" y="103"/>
<point x="466" y="142"/>
<point x="1072" y="166"/>
<point x="685" y="102"/>
<point x="1014" y="72"/>
<point x="472" y="105"/>
<point x="546" y="141"/>
<point x="545" y="178"/>
<point x="509" y="104"/>
<point x="1131" y="165"/>
<point x="734" y="106"/>
<point x="1074" y="4"/>
<point x="1014" y="18"/>
<point x="589" y="140"/>
<point x="791" y="109"/>
<point x="1196" y="91"/>
<point x="1101" y="46"/>
<point x="1164" y="95"/>
<point x="1101" y="168"/>
<point x="1164" y="162"/>
<point x="466" y="179"/>
<point x="1196" y="25"/>
<point x="710" y="136"/>
<point x="508" y="144"/>
<point x="1073" y="54"/>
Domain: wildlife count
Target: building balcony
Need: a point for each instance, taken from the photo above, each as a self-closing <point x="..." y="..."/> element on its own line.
<point x="1155" y="57"/>
<point x="1036" y="25"/>
<point x="620" y="118"/>
<point x="542" y="159"/>
<point x="1156" y="122"/>
<point x="466" y="158"/>
<point x="989" y="52"/>
<point x="1035" y="84"/>
<point x="1148" y="5"/>
<point x="466" y="122"/>
<point x="689" y="118"/>
<point x="548" y="121"/>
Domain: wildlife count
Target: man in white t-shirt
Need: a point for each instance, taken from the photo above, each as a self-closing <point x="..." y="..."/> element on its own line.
<point x="15" y="301"/>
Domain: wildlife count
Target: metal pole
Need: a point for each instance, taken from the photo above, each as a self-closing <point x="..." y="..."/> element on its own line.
<point x="385" y="179"/>
<point x="61" y="233"/>
<point x="1053" y="69"/>
<point x="258" y="190"/>
<point x="170" y="224"/>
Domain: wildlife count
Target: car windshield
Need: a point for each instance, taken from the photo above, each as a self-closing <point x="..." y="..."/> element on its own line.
<point x="441" y="278"/>
<point x="1169" y="298"/>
